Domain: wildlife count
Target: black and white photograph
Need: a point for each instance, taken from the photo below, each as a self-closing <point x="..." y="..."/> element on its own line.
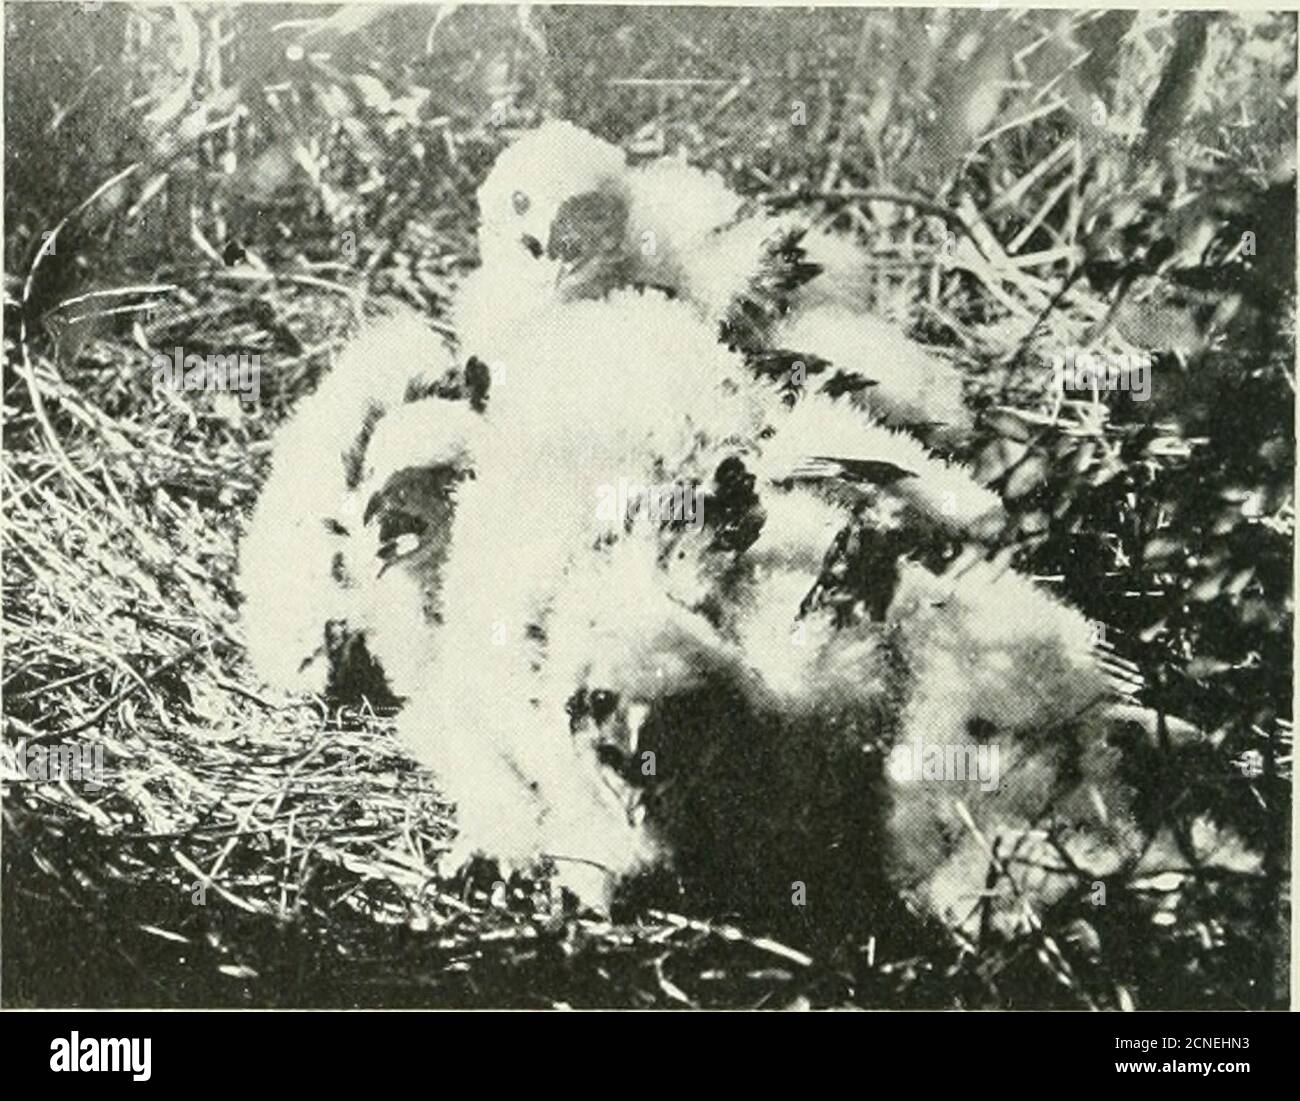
<point x="531" y="507"/>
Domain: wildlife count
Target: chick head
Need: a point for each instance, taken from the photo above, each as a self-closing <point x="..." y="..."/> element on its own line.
<point x="402" y="508"/>
<point x="531" y="181"/>
<point x="620" y="641"/>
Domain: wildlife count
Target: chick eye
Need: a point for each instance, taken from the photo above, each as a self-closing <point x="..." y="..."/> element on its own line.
<point x="521" y="203"/>
<point x="603" y="704"/>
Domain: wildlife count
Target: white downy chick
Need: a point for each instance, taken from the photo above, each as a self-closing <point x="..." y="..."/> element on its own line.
<point x="400" y="520"/>
<point x="1015" y="779"/>
<point x="299" y="567"/>
<point x="697" y="237"/>
<point x="1006" y="696"/>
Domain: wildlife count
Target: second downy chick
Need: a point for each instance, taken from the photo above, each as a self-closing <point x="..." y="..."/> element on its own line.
<point x="339" y="565"/>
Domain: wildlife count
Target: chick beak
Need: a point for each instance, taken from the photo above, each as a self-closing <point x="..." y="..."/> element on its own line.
<point x="563" y="276"/>
<point x="637" y="714"/>
<point x="570" y="273"/>
<point x="634" y="807"/>
<point x="587" y="235"/>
